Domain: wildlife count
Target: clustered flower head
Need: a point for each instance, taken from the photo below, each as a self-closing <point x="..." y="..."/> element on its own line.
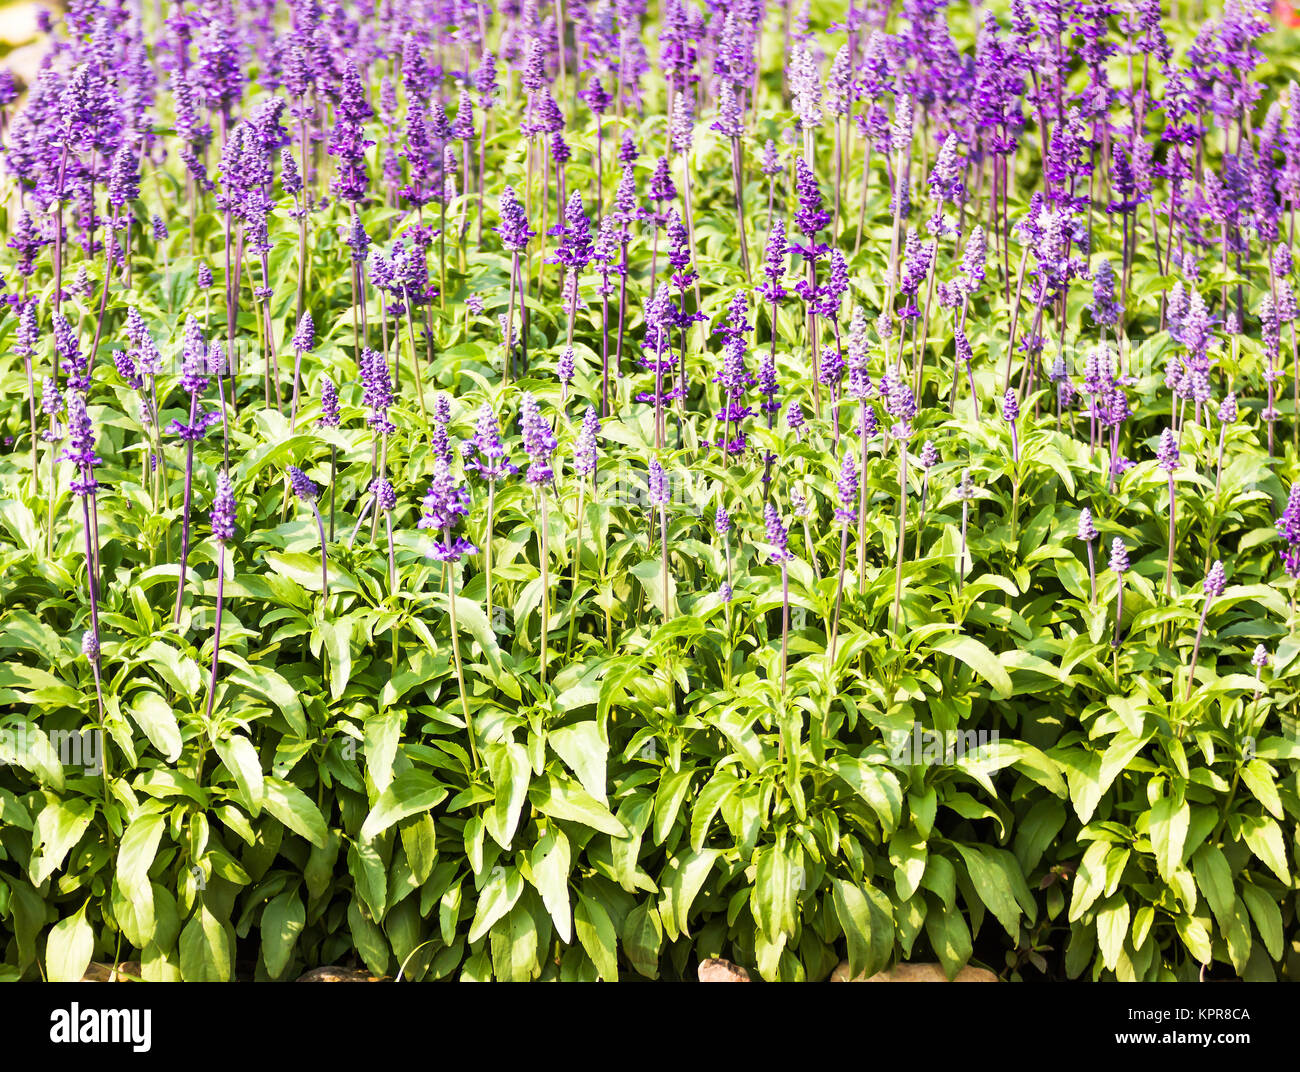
<point x="445" y="504"/>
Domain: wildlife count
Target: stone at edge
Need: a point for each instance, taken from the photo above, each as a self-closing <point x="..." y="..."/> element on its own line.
<point x="914" y="973"/>
<point x="333" y="974"/>
<point x="717" y="970"/>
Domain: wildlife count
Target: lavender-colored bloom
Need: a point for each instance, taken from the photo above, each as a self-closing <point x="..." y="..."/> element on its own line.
<point x="657" y="484"/>
<point x="564" y="367"/>
<point x="1010" y="406"/>
<point x="376" y="390"/>
<point x="721" y="521"/>
<point x="1228" y="408"/>
<point x="929" y="455"/>
<point x="223" y="510"/>
<point x="777" y="536"/>
<point x="585" y="444"/>
<point x="81" y="445"/>
<point x="444" y="504"/>
<point x="1215" y="581"/>
<point x="847" y="486"/>
<point x="1260" y="659"/>
<point x="90" y="645"/>
<point x="1288" y="527"/>
<point x="203" y="276"/>
<point x="302" y="485"/>
<point x="304" y="338"/>
<point x="513" y="228"/>
<point x="329" y="404"/>
<point x="1119" y="556"/>
<point x="1167" y="453"/>
<point x="1087" y="531"/>
<point x="539" y="441"/>
<point x="385" y="496"/>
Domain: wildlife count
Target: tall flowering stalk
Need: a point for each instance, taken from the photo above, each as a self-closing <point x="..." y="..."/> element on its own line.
<point x="1227" y="415"/>
<point x="1011" y="414"/>
<point x="846" y="513"/>
<point x="1087" y="532"/>
<point x="485" y="456"/>
<point x="901" y="405"/>
<point x="1214" y="584"/>
<point x="584" y="466"/>
<point x="304" y="341"/>
<point x="446" y="503"/>
<point x="515" y="235"/>
<point x="1167" y="454"/>
<point x="1119" y="566"/>
<point x="307" y="492"/>
<point x="778" y="539"/>
<point x="540" y="443"/>
<point x="194" y="379"/>
<point x="657" y="496"/>
<point x="222" y="520"/>
<point x="81" y="452"/>
<point x="965" y="492"/>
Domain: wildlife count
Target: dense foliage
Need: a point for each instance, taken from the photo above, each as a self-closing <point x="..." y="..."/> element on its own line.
<point x="787" y="483"/>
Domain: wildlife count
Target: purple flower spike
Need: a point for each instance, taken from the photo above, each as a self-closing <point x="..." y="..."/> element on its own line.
<point x="1167" y="453"/>
<point x="1215" y="581"/>
<point x="1119" y="557"/>
<point x="847" y="485"/>
<point x="304" y="338"/>
<point x="1260" y="659"/>
<point x="1010" y="406"/>
<point x="302" y="485"/>
<point x="223" y="510"/>
<point x="777" y="536"/>
<point x="1087" y="531"/>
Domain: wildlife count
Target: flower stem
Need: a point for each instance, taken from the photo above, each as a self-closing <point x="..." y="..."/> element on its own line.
<point x="460" y="673"/>
<point x="216" y="629"/>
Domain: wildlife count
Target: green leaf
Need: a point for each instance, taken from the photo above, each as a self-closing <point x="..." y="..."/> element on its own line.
<point x="980" y="659"/>
<point x="206" y="949"/>
<point x="875" y="784"/>
<point x="680" y="883"/>
<point x="950" y="938"/>
<point x="338" y="644"/>
<point x="1214" y="877"/>
<point x="410" y="793"/>
<point x="585" y="753"/>
<point x="550" y="863"/>
<point x="498" y="896"/>
<point x="1112" y="929"/>
<point x="155" y="717"/>
<point x="283" y="919"/>
<point x="1261" y="780"/>
<point x="1170" y="819"/>
<point x="511" y="775"/>
<point x="292" y="807"/>
<point x="1264" y="837"/>
<point x="59" y="826"/>
<point x="643" y="936"/>
<point x="673" y="786"/>
<point x="135" y="855"/>
<point x="69" y="948"/>
<point x="240" y="758"/>
<point x="992" y="884"/>
<point x="1267" y="916"/>
<point x="868" y="927"/>
<point x="597" y="935"/>
<point x="562" y="799"/>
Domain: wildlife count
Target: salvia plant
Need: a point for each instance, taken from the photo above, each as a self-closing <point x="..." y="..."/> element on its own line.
<point x="503" y="486"/>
